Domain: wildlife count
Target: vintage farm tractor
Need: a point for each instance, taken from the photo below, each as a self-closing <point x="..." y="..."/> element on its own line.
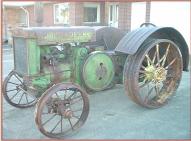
<point x="55" y="67"/>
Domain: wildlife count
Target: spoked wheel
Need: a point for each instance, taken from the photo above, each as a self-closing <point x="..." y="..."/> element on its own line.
<point x="153" y="74"/>
<point x="15" y="91"/>
<point x="61" y="110"/>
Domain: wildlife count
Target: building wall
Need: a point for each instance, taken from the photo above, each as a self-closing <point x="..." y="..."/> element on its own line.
<point x="48" y="15"/>
<point x="76" y="15"/>
<point x="12" y="17"/>
<point x="30" y="9"/>
<point x="124" y="21"/>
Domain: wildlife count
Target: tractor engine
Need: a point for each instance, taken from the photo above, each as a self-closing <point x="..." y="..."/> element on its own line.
<point x="82" y="55"/>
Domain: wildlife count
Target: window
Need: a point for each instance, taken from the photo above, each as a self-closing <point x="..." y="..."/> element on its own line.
<point x="22" y="18"/>
<point x="91" y="12"/>
<point x="61" y="13"/>
<point x="113" y="15"/>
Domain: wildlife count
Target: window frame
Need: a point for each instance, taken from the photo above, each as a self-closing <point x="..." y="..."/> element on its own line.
<point x="20" y="18"/>
<point x="54" y="15"/>
<point x="93" y="5"/>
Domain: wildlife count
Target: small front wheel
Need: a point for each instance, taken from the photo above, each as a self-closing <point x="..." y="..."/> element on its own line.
<point x="16" y="92"/>
<point x="61" y="110"/>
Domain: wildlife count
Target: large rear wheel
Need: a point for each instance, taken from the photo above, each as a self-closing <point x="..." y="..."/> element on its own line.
<point x="153" y="74"/>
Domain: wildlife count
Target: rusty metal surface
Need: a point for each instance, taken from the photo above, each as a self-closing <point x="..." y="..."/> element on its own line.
<point x="153" y="74"/>
<point x="131" y="42"/>
<point x="102" y="35"/>
<point x="15" y="91"/>
<point x="68" y="104"/>
<point x="109" y="37"/>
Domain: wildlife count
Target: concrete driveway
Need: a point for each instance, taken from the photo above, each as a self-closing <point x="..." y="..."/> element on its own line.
<point x="112" y="116"/>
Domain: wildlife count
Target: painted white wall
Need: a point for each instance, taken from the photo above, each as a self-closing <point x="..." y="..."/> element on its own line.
<point x="138" y="14"/>
<point x="173" y="14"/>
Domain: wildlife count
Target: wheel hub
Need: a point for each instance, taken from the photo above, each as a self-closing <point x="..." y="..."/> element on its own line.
<point x="101" y="71"/>
<point x="156" y="75"/>
<point x="160" y="74"/>
<point x="61" y="107"/>
<point x="67" y="113"/>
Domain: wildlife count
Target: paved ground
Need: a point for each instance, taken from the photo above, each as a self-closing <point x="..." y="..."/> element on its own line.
<point x="112" y="116"/>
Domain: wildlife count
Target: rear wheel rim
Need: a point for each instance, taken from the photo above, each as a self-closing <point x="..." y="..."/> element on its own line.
<point x="157" y="74"/>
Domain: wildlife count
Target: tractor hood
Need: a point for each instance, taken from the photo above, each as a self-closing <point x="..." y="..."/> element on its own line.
<point x="55" y="35"/>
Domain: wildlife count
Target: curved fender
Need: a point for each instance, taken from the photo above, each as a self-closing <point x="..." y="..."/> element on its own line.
<point x="132" y="41"/>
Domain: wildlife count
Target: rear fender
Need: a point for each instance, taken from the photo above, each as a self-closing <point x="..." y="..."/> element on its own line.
<point x="132" y="41"/>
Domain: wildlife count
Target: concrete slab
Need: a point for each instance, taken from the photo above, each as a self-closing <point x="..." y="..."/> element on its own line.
<point x="112" y="116"/>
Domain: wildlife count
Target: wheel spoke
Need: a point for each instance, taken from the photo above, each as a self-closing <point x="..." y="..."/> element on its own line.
<point x="15" y="94"/>
<point x="14" y="83"/>
<point x="72" y="94"/>
<point x="154" y="57"/>
<point x="75" y="116"/>
<point x="61" y="125"/>
<point x="143" y="67"/>
<point x="70" y="124"/>
<point x="145" y="83"/>
<point x="73" y="101"/>
<point x="26" y="98"/>
<point x="18" y="78"/>
<point x="141" y="71"/>
<point x="149" y="62"/>
<point x="170" y="63"/>
<point x="149" y="92"/>
<point x="57" y="94"/>
<point x="11" y="90"/>
<point x="158" y="54"/>
<point x="141" y="76"/>
<point x="55" y="126"/>
<point x="165" y="56"/>
<point x="21" y="98"/>
<point x="157" y="89"/>
<point x="48" y="120"/>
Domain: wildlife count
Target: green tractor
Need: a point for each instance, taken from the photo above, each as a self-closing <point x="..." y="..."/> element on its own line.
<point x="55" y="68"/>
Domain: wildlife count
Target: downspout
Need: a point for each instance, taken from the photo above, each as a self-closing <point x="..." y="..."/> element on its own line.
<point x="27" y="13"/>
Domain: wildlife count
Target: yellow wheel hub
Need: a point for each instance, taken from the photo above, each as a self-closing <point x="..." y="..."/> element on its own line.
<point x="155" y="74"/>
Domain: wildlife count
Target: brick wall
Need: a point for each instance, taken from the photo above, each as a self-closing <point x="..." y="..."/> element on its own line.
<point x="76" y="13"/>
<point x="102" y="13"/>
<point x="12" y="17"/>
<point x="124" y="21"/>
<point x="48" y="15"/>
<point x="30" y="9"/>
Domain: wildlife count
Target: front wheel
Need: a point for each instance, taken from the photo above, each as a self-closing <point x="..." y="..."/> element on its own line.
<point x="61" y="110"/>
<point x="153" y="74"/>
<point x="16" y="92"/>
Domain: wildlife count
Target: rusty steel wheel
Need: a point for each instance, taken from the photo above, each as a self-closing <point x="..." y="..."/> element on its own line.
<point x="153" y="74"/>
<point x="61" y="110"/>
<point x="15" y="91"/>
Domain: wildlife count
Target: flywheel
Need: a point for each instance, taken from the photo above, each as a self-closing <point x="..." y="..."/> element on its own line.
<point x="98" y="71"/>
